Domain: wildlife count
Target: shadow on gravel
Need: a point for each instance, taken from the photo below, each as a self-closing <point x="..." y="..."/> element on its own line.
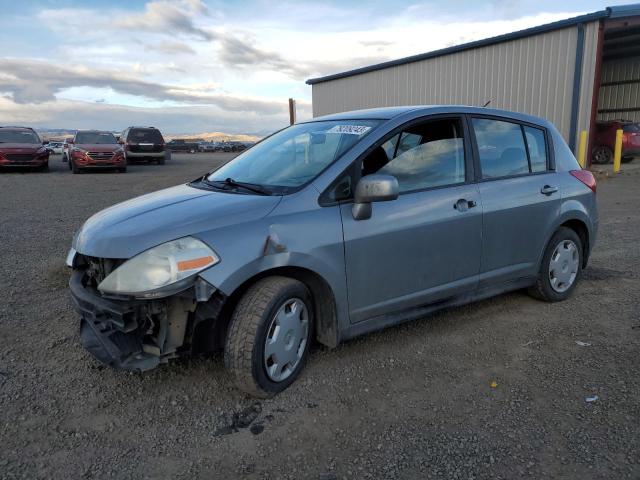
<point x="601" y="273"/>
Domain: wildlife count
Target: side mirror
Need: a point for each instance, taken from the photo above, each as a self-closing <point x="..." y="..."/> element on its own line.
<point x="373" y="188"/>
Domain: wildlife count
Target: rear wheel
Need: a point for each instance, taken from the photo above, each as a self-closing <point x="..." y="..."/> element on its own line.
<point x="269" y="335"/>
<point x="602" y="155"/>
<point x="74" y="168"/>
<point x="561" y="267"/>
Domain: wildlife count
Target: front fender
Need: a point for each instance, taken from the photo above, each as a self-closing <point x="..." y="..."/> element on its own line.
<point x="300" y="234"/>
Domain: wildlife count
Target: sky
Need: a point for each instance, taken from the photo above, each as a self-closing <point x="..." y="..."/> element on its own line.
<point x="189" y="66"/>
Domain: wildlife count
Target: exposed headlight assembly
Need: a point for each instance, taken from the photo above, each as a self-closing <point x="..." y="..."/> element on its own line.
<point x="160" y="271"/>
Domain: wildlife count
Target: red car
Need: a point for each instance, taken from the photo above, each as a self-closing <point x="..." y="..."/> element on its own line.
<point x="94" y="149"/>
<point x="22" y="147"/>
<point x="606" y="139"/>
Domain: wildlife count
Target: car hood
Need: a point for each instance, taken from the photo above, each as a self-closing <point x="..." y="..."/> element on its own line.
<point x="20" y="147"/>
<point x="98" y="147"/>
<point x="131" y="227"/>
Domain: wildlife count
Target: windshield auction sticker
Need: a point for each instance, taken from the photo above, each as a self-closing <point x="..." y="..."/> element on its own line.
<point x="350" y="129"/>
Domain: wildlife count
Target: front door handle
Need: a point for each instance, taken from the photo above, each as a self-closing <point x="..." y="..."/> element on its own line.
<point x="548" y="190"/>
<point x="462" y="205"/>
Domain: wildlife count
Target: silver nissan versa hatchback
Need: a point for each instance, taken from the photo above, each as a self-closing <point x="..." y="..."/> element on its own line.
<point x="330" y="229"/>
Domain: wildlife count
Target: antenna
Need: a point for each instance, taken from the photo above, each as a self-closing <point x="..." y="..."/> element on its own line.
<point x="486" y="104"/>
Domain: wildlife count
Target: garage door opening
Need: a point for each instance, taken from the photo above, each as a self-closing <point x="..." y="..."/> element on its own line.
<point x="616" y="100"/>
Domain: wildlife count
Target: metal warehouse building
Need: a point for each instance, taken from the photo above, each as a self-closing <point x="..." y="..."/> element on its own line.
<point x="574" y="72"/>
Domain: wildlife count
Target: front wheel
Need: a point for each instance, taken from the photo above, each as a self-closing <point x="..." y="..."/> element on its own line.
<point x="269" y="335"/>
<point x="561" y="267"/>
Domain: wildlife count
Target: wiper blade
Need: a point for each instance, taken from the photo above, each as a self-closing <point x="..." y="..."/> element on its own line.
<point x="252" y="187"/>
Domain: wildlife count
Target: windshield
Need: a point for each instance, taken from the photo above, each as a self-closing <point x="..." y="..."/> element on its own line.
<point x="295" y="155"/>
<point x="18" y="136"/>
<point x="95" y="137"/>
<point x="142" y="135"/>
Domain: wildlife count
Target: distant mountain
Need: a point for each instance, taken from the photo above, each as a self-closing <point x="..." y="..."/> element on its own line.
<point x="62" y="133"/>
<point x="216" y="137"/>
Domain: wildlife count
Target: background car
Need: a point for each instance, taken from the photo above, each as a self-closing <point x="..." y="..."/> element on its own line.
<point x="209" y="147"/>
<point x="65" y="149"/>
<point x="179" y="145"/>
<point x="606" y="139"/>
<point x="95" y="149"/>
<point x="144" y="144"/>
<point x="54" y="147"/>
<point x="22" y="147"/>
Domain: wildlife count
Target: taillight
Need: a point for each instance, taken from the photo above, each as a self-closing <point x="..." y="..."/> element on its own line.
<point x="586" y="177"/>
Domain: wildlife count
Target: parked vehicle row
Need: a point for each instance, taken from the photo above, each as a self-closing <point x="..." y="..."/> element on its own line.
<point x="96" y="149"/>
<point x="381" y="217"/>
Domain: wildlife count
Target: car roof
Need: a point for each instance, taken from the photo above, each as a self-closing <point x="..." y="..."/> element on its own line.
<point x="387" y="113"/>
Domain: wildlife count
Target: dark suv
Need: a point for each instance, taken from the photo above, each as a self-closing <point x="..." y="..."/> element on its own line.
<point x="144" y="144"/>
<point x="22" y="147"/>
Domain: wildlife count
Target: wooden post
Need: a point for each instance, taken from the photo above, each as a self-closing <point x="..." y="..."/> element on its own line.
<point x="292" y="111"/>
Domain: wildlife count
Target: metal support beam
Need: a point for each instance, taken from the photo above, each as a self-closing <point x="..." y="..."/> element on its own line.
<point x="577" y="80"/>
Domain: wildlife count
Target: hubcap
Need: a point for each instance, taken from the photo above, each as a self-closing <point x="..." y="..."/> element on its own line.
<point x="563" y="266"/>
<point x="286" y="339"/>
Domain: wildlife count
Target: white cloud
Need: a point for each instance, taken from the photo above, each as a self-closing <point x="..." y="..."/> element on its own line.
<point x="212" y="65"/>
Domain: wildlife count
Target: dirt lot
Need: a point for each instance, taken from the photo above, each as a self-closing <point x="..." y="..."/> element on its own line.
<point x="412" y="401"/>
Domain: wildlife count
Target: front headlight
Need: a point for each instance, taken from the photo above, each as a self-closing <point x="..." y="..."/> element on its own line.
<point x="161" y="270"/>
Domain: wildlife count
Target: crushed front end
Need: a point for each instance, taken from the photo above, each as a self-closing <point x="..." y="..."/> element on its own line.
<point x="137" y="334"/>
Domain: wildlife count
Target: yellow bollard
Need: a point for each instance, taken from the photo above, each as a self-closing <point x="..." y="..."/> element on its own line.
<point x="582" y="149"/>
<point x="617" y="152"/>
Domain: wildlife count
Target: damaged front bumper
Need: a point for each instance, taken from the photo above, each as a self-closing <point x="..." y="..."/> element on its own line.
<point x="138" y="335"/>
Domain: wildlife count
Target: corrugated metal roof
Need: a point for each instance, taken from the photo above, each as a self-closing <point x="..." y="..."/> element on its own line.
<point x="609" y="12"/>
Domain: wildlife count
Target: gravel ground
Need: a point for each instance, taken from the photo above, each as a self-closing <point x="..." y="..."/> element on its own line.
<point x="412" y="401"/>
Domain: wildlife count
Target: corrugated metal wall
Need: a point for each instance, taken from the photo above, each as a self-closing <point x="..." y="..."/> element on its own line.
<point x="620" y="96"/>
<point x="532" y="75"/>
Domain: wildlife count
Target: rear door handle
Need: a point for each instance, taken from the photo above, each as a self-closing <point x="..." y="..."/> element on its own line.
<point x="462" y="205"/>
<point x="548" y="190"/>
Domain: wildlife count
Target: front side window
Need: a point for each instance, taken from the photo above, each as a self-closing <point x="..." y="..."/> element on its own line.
<point x="500" y="147"/>
<point x="95" y="137"/>
<point x="295" y="155"/>
<point x="427" y="155"/>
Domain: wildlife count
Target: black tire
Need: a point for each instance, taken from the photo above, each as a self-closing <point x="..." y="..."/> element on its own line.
<point x="627" y="159"/>
<point x="70" y="164"/>
<point x="122" y="170"/>
<point x="602" y="155"/>
<point x="44" y="168"/>
<point x="543" y="289"/>
<point x="75" y="169"/>
<point x="248" y="331"/>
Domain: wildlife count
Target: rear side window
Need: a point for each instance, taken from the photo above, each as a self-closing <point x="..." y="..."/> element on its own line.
<point x="145" y="135"/>
<point x="427" y="155"/>
<point x="631" y="128"/>
<point x="536" y="146"/>
<point x="500" y="147"/>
